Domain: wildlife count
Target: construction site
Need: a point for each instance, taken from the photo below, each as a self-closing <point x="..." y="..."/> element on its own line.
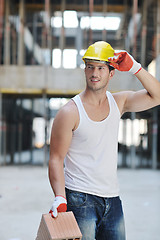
<point x="41" y="68"/>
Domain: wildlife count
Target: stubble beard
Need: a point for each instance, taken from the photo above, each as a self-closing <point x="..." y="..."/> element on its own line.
<point x="96" y="88"/>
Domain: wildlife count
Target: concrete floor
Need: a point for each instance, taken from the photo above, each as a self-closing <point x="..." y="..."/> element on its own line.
<point x="25" y="194"/>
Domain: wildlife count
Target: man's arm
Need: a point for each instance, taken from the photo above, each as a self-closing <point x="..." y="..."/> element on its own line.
<point x="143" y="99"/>
<point x="130" y="101"/>
<point x="61" y="136"/>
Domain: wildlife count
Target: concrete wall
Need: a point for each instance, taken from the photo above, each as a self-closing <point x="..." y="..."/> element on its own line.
<point x="65" y="81"/>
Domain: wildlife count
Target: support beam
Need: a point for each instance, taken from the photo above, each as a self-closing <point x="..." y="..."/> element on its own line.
<point x="124" y="145"/>
<point x="21" y="48"/>
<point x="104" y="32"/>
<point x="135" y="9"/>
<point x="154" y="138"/>
<point x="144" y="34"/>
<point x="158" y="29"/>
<point x="48" y="29"/>
<point x="79" y="42"/>
<point x="0" y="128"/>
<point x="133" y="148"/>
<point x="116" y="8"/>
<point x="20" y="134"/>
<point x="62" y="36"/>
<point x="91" y="7"/>
<point x="7" y="34"/>
<point x="155" y="112"/>
<point x="45" y="101"/>
<point x="1" y="27"/>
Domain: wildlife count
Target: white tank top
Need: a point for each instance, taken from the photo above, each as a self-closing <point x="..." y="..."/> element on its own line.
<point x="91" y="161"/>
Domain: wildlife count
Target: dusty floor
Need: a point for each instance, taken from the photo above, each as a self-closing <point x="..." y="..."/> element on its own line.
<point x="25" y="194"/>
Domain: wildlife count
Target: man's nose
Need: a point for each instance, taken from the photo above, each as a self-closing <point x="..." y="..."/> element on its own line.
<point x="95" y="71"/>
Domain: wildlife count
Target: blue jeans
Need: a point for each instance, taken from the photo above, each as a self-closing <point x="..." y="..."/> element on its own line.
<point x="98" y="218"/>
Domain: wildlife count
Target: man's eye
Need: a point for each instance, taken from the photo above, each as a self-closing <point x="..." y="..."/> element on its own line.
<point x="89" y="67"/>
<point x="101" y="68"/>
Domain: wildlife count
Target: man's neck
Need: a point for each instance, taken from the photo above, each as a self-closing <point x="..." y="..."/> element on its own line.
<point x="96" y="99"/>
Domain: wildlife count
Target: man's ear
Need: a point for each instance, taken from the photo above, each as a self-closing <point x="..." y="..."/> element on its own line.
<point x="112" y="72"/>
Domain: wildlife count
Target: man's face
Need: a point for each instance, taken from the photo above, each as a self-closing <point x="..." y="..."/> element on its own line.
<point x="97" y="75"/>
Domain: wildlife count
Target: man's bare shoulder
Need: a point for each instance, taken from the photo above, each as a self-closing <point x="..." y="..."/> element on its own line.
<point x="68" y="114"/>
<point x="120" y="96"/>
<point x="69" y="109"/>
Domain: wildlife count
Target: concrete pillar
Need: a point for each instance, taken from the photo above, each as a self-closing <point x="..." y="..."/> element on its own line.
<point x="79" y="41"/>
<point x="1" y="26"/>
<point x="31" y="129"/>
<point x="62" y="35"/>
<point x="91" y="6"/>
<point x="14" y="43"/>
<point x="34" y="30"/>
<point x="3" y="137"/>
<point x="4" y="141"/>
<point x="158" y="29"/>
<point x="13" y="134"/>
<point x="124" y="148"/>
<point x="20" y="133"/>
<point x="133" y="148"/>
<point x="158" y="41"/>
<point x="45" y="101"/>
<point x="155" y="111"/>
<point x="21" y="49"/>
<point x="135" y="9"/>
<point x="126" y="23"/>
<point x="7" y="34"/>
<point x="48" y="28"/>
<point x="104" y="32"/>
<point x="0" y="128"/>
<point x="154" y="138"/>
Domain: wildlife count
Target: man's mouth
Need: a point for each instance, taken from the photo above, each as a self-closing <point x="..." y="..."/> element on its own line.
<point x="94" y="80"/>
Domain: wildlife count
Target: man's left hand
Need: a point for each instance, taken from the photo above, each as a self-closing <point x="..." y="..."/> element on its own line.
<point x="123" y="61"/>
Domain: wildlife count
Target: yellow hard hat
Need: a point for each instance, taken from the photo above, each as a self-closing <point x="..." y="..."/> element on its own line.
<point x="99" y="51"/>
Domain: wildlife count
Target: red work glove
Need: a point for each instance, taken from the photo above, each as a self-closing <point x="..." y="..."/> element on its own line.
<point x="123" y="61"/>
<point x="59" y="205"/>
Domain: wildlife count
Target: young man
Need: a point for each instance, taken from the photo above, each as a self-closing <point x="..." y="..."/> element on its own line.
<point x="85" y="134"/>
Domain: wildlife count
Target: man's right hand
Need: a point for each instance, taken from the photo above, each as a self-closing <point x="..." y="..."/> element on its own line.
<point x="59" y="205"/>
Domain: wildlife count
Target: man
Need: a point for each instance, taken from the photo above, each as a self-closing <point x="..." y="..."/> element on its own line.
<point x="85" y="134"/>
